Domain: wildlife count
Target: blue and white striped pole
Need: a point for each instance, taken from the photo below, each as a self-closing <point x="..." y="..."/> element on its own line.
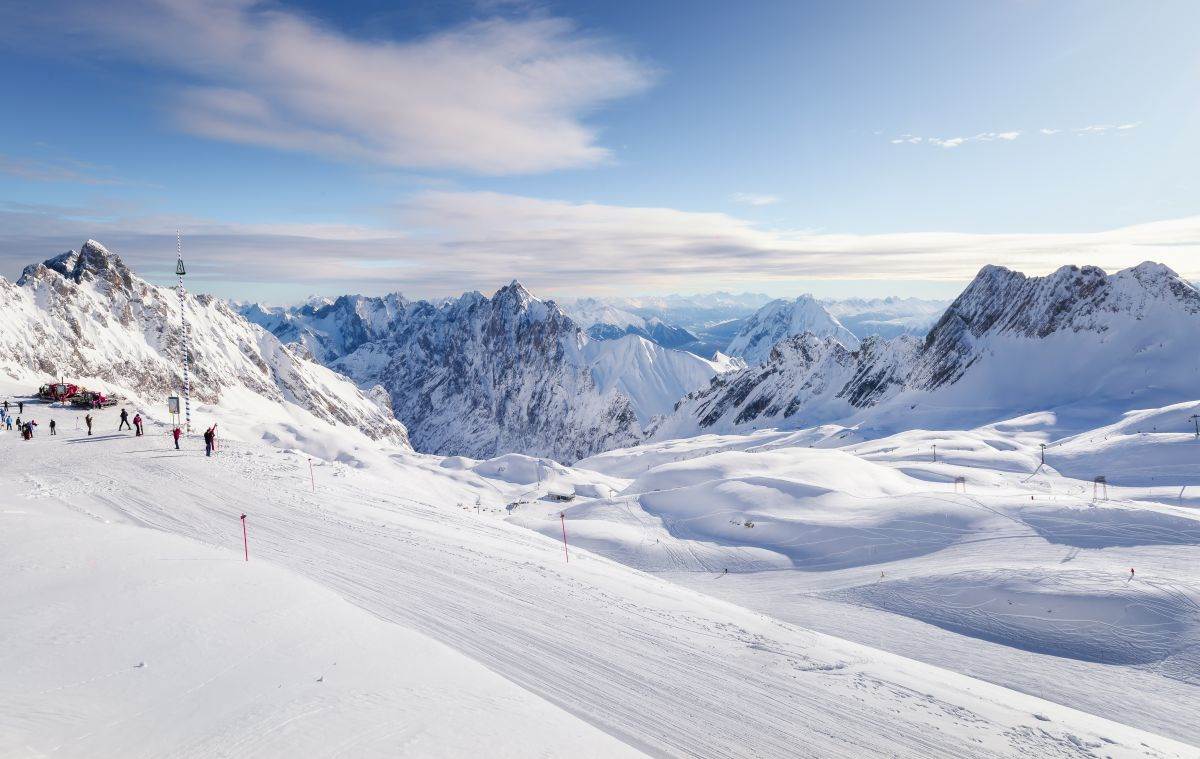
<point x="187" y="338"/>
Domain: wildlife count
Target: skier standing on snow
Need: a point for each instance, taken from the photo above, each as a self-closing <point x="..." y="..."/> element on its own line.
<point x="124" y="421"/>
<point x="20" y="407"/>
<point x="137" y="425"/>
<point x="209" y="437"/>
<point x="6" y="406"/>
<point x="175" y="433"/>
<point x="88" y="420"/>
<point x="52" y="426"/>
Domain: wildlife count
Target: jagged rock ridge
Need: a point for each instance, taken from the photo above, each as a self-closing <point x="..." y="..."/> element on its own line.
<point x="481" y="376"/>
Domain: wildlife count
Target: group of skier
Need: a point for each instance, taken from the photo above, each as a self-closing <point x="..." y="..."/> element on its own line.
<point x="135" y="425"/>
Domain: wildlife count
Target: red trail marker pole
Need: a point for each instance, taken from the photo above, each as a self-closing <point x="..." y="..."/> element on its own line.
<point x="245" y="540"/>
<point x="311" y="476"/>
<point x="563" y="517"/>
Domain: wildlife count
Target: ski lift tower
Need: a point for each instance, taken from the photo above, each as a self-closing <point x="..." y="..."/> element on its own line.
<point x="180" y="271"/>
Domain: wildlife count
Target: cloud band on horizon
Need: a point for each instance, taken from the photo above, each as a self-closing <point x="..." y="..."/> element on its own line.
<point x="445" y="242"/>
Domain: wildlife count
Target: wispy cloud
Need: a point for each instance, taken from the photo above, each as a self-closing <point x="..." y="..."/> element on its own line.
<point x="754" y="199"/>
<point x="954" y="142"/>
<point x="54" y="170"/>
<point x="445" y="242"/>
<point x="496" y="96"/>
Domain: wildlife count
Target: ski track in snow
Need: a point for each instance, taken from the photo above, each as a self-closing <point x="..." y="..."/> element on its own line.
<point x="667" y="670"/>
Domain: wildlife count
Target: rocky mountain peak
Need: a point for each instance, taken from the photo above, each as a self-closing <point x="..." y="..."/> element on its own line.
<point x="781" y="319"/>
<point x="93" y="261"/>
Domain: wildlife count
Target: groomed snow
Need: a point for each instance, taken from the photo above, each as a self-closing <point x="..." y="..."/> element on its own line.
<point x="381" y="558"/>
<point x="1019" y="573"/>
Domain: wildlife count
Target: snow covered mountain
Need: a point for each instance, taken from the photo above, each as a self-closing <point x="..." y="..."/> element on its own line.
<point x="86" y="317"/>
<point x="651" y="376"/>
<point x="331" y="328"/>
<point x="604" y="320"/>
<point x="1009" y="344"/>
<point x="783" y="318"/>
<point x="481" y="376"/>
<point x="886" y="317"/>
<point x="700" y="324"/>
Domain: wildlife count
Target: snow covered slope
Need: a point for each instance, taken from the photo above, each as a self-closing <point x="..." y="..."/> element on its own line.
<point x="780" y="319"/>
<point x="87" y="318"/>
<point x="254" y="658"/>
<point x="651" y="376"/>
<point x="1018" y="572"/>
<point x="128" y="642"/>
<point x="1009" y="344"/>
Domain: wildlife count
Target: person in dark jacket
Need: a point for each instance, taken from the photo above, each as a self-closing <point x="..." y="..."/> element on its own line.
<point x="124" y="421"/>
<point x="175" y="433"/>
<point x="6" y="407"/>
<point x="209" y="437"/>
<point x="88" y="420"/>
<point x="20" y="407"/>
<point x="52" y="426"/>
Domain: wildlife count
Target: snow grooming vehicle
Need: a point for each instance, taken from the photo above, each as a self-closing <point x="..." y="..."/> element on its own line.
<point x="92" y="399"/>
<point x="57" y="391"/>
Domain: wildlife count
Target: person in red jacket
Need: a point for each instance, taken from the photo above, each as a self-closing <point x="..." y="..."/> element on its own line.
<point x="175" y="433"/>
<point x="137" y="425"/>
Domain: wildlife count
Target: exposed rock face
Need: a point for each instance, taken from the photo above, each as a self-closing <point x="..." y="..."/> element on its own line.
<point x="1008" y="344"/>
<point x="86" y="315"/>
<point x="480" y="376"/>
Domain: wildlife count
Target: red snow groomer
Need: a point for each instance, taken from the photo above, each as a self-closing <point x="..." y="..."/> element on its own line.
<point x="57" y="391"/>
<point x="92" y="399"/>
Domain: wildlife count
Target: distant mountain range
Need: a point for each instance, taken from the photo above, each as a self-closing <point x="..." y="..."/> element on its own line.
<point x="481" y="375"/>
<point x="1010" y="344"/>
<point x="747" y="325"/>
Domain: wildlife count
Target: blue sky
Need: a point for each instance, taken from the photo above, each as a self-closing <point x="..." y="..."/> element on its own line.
<point x="847" y="148"/>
